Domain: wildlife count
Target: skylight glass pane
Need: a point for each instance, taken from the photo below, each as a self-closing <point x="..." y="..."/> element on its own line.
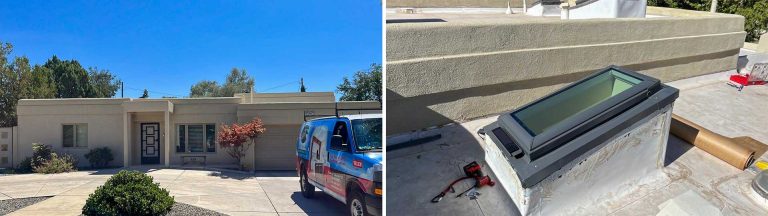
<point x="546" y="113"/>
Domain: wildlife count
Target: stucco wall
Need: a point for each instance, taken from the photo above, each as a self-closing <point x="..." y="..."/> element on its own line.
<point x="444" y="72"/>
<point x="294" y="97"/>
<point x="195" y="113"/>
<point x="41" y="123"/>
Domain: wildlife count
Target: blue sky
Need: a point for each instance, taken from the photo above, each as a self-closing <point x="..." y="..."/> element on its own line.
<point x="167" y="46"/>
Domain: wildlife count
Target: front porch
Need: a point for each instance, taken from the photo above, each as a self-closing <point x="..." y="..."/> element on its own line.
<point x="146" y="133"/>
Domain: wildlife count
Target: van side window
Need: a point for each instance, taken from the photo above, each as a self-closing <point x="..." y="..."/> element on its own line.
<point x="304" y="132"/>
<point x="341" y="129"/>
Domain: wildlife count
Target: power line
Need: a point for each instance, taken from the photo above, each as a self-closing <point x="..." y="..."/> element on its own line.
<point x="157" y="92"/>
<point x="279" y="86"/>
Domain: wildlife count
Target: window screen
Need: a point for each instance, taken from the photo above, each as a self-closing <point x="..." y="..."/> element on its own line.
<point x="210" y="137"/>
<point x="181" y="144"/>
<point x="75" y="135"/>
<point x="69" y="136"/>
<point x="196" y="138"/>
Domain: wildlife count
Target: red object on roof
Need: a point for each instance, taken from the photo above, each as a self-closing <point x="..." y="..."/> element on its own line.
<point x="743" y="80"/>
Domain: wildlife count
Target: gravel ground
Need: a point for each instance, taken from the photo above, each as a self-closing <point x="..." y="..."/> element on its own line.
<point x="11" y="205"/>
<point x="184" y="209"/>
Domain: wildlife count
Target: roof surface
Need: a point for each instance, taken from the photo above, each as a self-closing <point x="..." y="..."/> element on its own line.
<point x="696" y="176"/>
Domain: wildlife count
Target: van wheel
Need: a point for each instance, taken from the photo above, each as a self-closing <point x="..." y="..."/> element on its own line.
<point x="307" y="189"/>
<point x="356" y="204"/>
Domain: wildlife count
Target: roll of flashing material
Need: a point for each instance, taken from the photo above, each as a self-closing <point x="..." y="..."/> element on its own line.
<point x="739" y="155"/>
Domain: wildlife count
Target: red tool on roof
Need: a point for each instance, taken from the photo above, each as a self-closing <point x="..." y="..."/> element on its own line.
<point x="751" y="70"/>
<point x="471" y="171"/>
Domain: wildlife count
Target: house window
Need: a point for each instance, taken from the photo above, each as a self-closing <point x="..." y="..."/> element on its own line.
<point x="4" y="135"/>
<point x="75" y="135"/>
<point x="196" y="138"/>
<point x="4" y="147"/>
<point x="181" y="144"/>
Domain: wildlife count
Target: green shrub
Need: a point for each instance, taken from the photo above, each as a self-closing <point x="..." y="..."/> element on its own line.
<point x="755" y="12"/>
<point x="7" y="171"/>
<point x="68" y="158"/>
<point x="99" y="157"/>
<point x="40" y="154"/>
<point x="129" y="193"/>
<point x="25" y="166"/>
<point x="57" y="164"/>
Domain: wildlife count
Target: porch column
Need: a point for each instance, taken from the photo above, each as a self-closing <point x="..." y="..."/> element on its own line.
<point x="167" y="138"/>
<point x="126" y="139"/>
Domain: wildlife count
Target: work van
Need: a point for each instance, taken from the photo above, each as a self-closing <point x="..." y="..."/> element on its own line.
<point x="342" y="156"/>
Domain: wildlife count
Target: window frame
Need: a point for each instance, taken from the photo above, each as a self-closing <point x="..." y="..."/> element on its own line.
<point x="344" y="135"/>
<point x="76" y="127"/>
<point x="538" y="145"/>
<point x="205" y="138"/>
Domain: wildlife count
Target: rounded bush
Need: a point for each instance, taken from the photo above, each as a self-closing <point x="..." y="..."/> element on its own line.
<point x="129" y="193"/>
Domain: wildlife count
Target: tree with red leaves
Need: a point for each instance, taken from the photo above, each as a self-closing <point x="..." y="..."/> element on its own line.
<point x="238" y="138"/>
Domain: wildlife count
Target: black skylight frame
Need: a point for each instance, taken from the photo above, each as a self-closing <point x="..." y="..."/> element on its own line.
<point x="628" y="107"/>
<point x="536" y="145"/>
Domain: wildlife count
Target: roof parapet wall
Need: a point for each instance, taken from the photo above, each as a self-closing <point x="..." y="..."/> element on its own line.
<point x="293" y="97"/>
<point x="456" y="3"/>
<point x="73" y="101"/>
<point x="473" y="66"/>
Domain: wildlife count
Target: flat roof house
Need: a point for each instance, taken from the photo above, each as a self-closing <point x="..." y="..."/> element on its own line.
<point x="172" y="132"/>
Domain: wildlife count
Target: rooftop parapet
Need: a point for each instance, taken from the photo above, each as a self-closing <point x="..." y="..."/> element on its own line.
<point x="472" y="65"/>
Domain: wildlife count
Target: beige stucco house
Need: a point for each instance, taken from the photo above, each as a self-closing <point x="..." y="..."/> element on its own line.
<point x="171" y="132"/>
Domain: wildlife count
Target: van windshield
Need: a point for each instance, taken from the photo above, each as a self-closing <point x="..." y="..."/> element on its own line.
<point x="367" y="133"/>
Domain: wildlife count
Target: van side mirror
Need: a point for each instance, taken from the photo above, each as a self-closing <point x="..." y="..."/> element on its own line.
<point x="337" y="143"/>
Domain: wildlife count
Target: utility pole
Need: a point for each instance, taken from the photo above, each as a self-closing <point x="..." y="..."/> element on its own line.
<point x="713" y="9"/>
<point x="122" y="89"/>
<point x="302" y="88"/>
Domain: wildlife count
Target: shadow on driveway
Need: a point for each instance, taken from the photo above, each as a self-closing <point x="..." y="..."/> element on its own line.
<point x="112" y="171"/>
<point x="221" y="173"/>
<point x="321" y="204"/>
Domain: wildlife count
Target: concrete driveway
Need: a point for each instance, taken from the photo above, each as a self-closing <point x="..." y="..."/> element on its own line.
<point x="264" y="193"/>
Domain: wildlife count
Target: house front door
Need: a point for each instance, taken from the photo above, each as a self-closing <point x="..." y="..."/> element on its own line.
<point x="150" y="143"/>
